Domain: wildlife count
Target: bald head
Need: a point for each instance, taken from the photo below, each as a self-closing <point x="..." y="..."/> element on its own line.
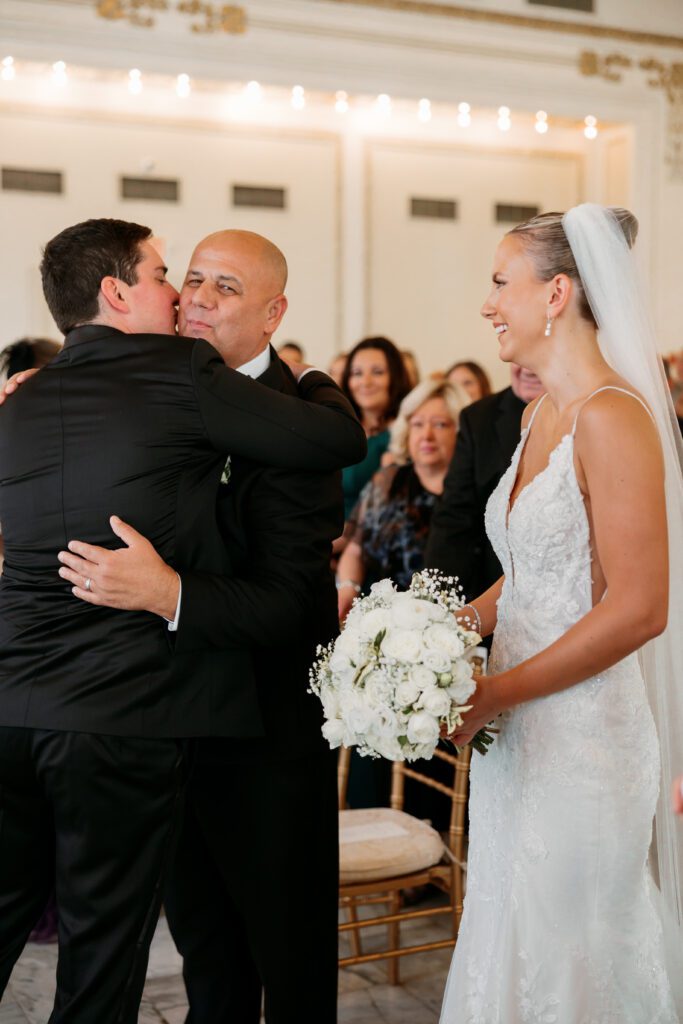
<point x="250" y="246"/>
<point x="233" y="294"/>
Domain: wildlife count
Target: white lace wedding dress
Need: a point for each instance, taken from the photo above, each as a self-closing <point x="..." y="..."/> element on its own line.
<point x="559" y="925"/>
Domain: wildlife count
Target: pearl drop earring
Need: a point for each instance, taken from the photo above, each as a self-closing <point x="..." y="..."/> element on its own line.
<point x="548" y="326"/>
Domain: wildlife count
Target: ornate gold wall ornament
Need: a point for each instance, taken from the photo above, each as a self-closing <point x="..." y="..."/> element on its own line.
<point x="591" y="63"/>
<point x="215" y="17"/>
<point x="669" y="77"/>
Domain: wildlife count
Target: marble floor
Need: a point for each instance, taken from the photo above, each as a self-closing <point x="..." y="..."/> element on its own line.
<point x="365" y="996"/>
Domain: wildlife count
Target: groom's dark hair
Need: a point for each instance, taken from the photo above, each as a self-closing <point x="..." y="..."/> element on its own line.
<point x="75" y="261"/>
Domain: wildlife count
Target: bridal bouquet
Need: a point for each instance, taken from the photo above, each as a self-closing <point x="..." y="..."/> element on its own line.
<point x="399" y="671"/>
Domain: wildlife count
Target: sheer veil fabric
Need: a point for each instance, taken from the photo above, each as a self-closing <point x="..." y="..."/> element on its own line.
<point x="627" y="340"/>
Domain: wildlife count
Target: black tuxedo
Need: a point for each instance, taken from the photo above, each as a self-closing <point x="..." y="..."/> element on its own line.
<point x="487" y="437"/>
<point x="252" y="899"/>
<point x="93" y="700"/>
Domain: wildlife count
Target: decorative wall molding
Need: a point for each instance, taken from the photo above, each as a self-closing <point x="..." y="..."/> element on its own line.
<point x="446" y="10"/>
<point x="142" y="13"/>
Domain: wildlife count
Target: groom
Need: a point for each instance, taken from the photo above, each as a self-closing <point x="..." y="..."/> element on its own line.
<point x="90" y="711"/>
<point x="256" y="872"/>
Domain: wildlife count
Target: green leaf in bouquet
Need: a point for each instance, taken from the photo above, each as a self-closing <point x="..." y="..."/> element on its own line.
<point x="377" y="642"/>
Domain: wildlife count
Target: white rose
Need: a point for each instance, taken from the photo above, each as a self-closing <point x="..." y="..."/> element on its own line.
<point x="420" y="750"/>
<point x="408" y="691"/>
<point x="377" y="689"/>
<point x="373" y="622"/>
<point x="341" y="667"/>
<point x="404" y="645"/>
<point x="437" y="612"/>
<point x="463" y="685"/>
<point x="386" y="723"/>
<point x="423" y="728"/>
<point x="330" y="702"/>
<point x="385" y="589"/>
<point x="436" y="702"/>
<point x="423" y="677"/>
<point x="386" y="746"/>
<point x="350" y="643"/>
<point x="409" y="612"/>
<point x="437" y="661"/>
<point x="360" y="719"/>
<point x="334" y="732"/>
<point x="442" y="638"/>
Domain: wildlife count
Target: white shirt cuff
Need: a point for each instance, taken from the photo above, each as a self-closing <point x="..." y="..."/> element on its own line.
<point x="173" y="626"/>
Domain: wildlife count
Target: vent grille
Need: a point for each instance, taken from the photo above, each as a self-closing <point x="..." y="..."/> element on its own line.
<point x="439" y="209"/>
<point x="257" y="196"/>
<point x="588" y="6"/>
<point x="509" y="213"/>
<point x="164" y="190"/>
<point x="19" y="180"/>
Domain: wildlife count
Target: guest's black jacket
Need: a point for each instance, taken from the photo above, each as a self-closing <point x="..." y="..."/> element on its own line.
<point x="487" y="437"/>
<point x="133" y="425"/>
<point x="281" y="603"/>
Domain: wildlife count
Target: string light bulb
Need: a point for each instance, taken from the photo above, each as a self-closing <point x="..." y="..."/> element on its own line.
<point x="59" y="76"/>
<point x="252" y="91"/>
<point x="8" y="69"/>
<point x="591" y="127"/>
<point x="183" y="87"/>
<point x="504" y="122"/>
<point x="541" y="125"/>
<point x="424" y="111"/>
<point x="341" y="101"/>
<point x="298" y="97"/>
<point x="464" y="115"/>
<point x="383" y="104"/>
<point x="135" y="81"/>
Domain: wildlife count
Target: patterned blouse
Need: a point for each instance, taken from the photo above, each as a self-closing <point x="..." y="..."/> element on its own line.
<point x="391" y="523"/>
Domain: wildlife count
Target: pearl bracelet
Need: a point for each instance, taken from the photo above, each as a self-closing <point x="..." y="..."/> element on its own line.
<point x="348" y="583"/>
<point x="476" y="615"/>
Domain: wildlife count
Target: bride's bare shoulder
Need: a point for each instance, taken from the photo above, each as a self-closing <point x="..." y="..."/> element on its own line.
<point x="618" y="420"/>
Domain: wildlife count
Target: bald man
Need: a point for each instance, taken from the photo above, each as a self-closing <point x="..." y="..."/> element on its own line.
<point x="252" y="900"/>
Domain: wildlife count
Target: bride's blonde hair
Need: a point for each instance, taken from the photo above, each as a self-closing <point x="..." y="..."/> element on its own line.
<point x="545" y="242"/>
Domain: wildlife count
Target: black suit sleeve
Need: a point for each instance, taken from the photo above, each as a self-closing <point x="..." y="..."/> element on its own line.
<point x="316" y="431"/>
<point x="289" y="521"/>
<point x="455" y="538"/>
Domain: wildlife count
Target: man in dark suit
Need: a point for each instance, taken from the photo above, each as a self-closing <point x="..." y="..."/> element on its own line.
<point x="252" y="900"/>
<point x="93" y="702"/>
<point x="487" y="437"/>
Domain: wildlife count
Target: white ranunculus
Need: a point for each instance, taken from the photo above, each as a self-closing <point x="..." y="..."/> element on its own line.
<point x="436" y="701"/>
<point x="444" y="638"/>
<point x="403" y="644"/>
<point x="373" y="622"/>
<point x="423" y="677"/>
<point x="407" y="692"/>
<point x="377" y="688"/>
<point x="423" y="728"/>
<point x="384" y="588"/>
<point x="409" y="612"/>
<point x="334" y="732"/>
<point x="436" y="660"/>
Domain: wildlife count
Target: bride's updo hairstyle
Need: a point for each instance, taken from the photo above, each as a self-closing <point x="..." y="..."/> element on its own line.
<point x="546" y="244"/>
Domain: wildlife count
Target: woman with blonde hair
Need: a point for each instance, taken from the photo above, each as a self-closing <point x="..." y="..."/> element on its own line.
<point x="387" y="532"/>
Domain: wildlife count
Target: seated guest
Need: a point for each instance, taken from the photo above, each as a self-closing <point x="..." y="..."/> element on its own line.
<point x="472" y="377"/>
<point x="678" y="795"/>
<point x="489" y="433"/>
<point x="26" y="353"/>
<point x="412" y="369"/>
<point x="291" y="352"/>
<point x="337" y="366"/>
<point x="388" y="529"/>
<point x="375" y="381"/>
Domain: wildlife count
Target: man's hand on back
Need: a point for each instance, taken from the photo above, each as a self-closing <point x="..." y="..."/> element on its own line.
<point x="14" y="381"/>
<point x="134" y="577"/>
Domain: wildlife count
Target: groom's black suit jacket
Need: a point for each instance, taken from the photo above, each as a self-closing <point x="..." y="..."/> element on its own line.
<point x="132" y="425"/>
<point x="281" y="603"/>
<point x="488" y="434"/>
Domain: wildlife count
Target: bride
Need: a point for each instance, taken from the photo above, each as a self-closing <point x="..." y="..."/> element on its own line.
<point x="563" y="923"/>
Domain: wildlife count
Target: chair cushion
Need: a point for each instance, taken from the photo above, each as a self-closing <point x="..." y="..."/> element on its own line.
<point x="382" y="843"/>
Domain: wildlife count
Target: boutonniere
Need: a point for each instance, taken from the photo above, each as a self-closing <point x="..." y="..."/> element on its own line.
<point x="225" y="475"/>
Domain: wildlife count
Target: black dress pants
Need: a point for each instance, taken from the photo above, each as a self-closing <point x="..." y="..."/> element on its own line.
<point x="253" y="889"/>
<point x="96" y="816"/>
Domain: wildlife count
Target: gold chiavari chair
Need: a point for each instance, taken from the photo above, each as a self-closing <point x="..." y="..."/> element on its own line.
<point x="384" y="851"/>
